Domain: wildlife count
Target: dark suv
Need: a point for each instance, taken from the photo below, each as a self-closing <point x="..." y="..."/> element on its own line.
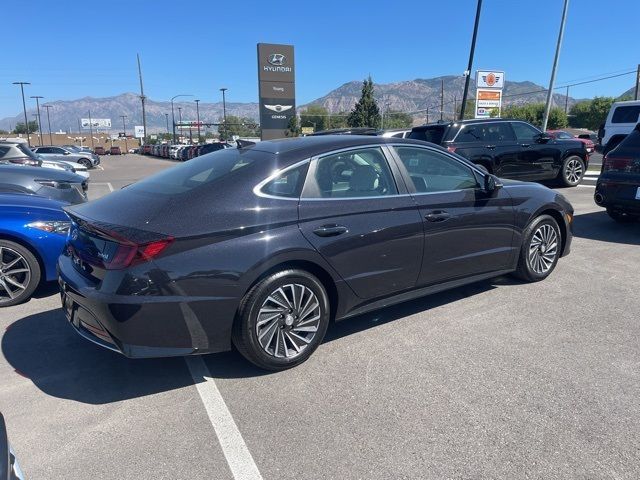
<point x="510" y="149"/>
<point x="618" y="187"/>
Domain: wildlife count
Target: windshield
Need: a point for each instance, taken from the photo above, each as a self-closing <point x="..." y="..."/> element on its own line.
<point x="430" y="134"/>
<point x="204" y="170"/>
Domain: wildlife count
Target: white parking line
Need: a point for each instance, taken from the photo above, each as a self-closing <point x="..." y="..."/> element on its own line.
<point x="100" y="167"/>
<point x="110" y="186"/>
<point x="235" y="450"/>
<point x="587" y="186"/>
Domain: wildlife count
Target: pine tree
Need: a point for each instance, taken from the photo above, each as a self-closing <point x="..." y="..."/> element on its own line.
<point x="365" y="113"/>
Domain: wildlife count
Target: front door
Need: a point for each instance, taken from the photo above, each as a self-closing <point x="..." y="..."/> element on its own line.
<point x="467" y="232"/>
<point x="537" y="159"/>
<point x="364" y="224"/>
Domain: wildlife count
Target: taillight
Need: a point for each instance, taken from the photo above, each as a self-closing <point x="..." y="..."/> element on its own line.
<point x="451" y="149"/>
<point x="127" y="254"/>
<point x="616" y="164"/>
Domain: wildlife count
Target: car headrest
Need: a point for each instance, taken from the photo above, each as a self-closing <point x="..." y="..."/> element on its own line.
<point x="363" y="179"/>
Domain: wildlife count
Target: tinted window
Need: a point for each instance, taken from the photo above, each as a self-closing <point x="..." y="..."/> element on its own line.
<point x="356" y="173"/>
<point x="432" y="171"/>
<point x="29" y="153"/>
<point x="631" y="144"/>
<point x="58" y="151"/>
<point x="627" y="114"/>
<point x="398" y="135"/>
<point x="564" y="136"/>
<point x="432" y="134"/>
<point x="3" y="151"/>
<point x="288" y="184"/>
<point x="204" y="170"/>
<point x="44" y="150"/>
<point x="486" y="132"/>
<point x="524" y="132"/>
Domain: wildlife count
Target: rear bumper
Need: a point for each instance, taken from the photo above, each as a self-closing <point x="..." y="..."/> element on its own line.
<point x="145" y="326"/>
<point x="618" y="191"/>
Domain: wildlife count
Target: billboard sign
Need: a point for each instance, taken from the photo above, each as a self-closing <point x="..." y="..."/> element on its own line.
<point x="276" y="79"/>
<point x="489" y="85"/>
<point x="95" y="122"/>
<point x="138" y="131"/>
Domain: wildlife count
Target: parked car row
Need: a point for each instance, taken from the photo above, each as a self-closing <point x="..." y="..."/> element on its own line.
<point x="70" y="154"/>
<point x="182" y="152"/>
<point x="114" y="150"/>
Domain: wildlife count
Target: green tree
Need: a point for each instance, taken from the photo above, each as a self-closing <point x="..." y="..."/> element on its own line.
<point x="366" y="112"/>
<point x="397" y="120"/>
<point x="240" y="126"/>
<point x="315" y="116"/>
<point x="534" y="114"/>
<point x="293" y="129"/>
<point x="20" y="128"/>
<point x="339" y="120"/>
<point x="590" y="113"/>
<point x="3" y="132"/>
<point x="469" y="109"/>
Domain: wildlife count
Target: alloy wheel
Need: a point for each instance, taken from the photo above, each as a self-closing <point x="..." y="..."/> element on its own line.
<point x="15" y="274"/>
<point x="543" y="249"/>
<point x="288" y="321"/>
<point x="573" y="170"/>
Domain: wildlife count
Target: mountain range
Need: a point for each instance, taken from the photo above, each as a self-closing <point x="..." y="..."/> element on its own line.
<point x="413" y="96"/>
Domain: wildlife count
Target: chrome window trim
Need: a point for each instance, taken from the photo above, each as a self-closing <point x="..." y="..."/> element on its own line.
<point x="257" y="190"/>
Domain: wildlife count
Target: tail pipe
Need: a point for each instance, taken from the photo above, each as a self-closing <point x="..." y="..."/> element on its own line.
<point x="599" y="198"/>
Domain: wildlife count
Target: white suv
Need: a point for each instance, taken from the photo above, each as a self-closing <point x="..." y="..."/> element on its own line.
<point x="621" y="120"/>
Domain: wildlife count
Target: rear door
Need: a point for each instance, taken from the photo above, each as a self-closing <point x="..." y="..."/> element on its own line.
<point x="467" y="231"/>
<point x="362" y="221"/>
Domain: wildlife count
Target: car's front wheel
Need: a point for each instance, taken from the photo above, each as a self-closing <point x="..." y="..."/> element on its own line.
<point x="572" y="171"/>
<point x="541" y="249"/>
<point x="85" y="162"/>
<point x="19" y="273"/>
<point x="282" y="320"/>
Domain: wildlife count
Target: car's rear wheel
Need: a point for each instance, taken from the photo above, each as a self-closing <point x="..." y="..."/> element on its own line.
<point x="85" y="162"/>
<point x="282" y="320"/>
<point x="19" y="273"/>
<point x="572" y="171"/>
<point x="540" y="249"/>
<point x="620" y="216"/>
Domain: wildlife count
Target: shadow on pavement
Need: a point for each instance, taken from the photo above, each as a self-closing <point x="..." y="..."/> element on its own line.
<point x="598" y="226"/>
<point x="45" y="349"/>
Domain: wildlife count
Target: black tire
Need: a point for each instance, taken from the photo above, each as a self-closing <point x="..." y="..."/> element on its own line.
<point x="527" y="270"/>
<point x="245" y="329"/>
<point x="572" y="171"/>
<point x="621" y="217"/>
<point x="85" y="162"/>
<point x="32" y="279"/>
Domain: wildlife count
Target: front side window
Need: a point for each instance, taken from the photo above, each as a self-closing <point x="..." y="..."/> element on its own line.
<point x="432" y="171"/>
<point x="355" y="173"/>
<point x="525" y="133"/>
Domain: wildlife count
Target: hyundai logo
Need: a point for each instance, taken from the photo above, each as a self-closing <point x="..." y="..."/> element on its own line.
<point x="278" y="108"/>
<point x="277" y="59"/>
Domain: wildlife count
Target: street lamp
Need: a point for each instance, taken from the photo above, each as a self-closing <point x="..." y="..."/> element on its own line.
<point x="173" y="117"/>
<point x="49" y="122"/>
<point x="124" y="129"/>
<point x="224" y="109"/>
<point x="198" y="118"/>
<point x="38" y="97"/>
<point x="166" y="115"/>
<point x="24" y="109"/>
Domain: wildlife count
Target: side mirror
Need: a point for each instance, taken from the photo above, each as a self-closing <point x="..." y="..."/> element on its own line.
<point x="491" y="184"/>
<point x="543" y="137"/>
<point x="67" y="153"/>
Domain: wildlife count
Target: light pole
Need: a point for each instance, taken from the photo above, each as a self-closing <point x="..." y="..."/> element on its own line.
<point x="38" y="134"/>
<point x="166" y="115"/>
<point x="198" y="118"/>
<point x="48" y="107"/>
<point x="224" y="110"/>
<point x="470" y="66"/>
<point x="124" y="129"/>
<point x="173" y="117"/>
<point x="38" y="97"/>
<point x="91" y="130"/>
<point x="547" y="107"/>
<point x="24" y="109"/>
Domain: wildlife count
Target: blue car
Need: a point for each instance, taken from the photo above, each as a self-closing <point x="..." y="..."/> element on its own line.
<point x="33" y="231"/>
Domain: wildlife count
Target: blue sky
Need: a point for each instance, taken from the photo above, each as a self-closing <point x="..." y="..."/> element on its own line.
<point x="68" y="50"/>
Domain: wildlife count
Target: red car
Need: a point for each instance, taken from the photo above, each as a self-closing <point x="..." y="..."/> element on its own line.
<point x="99" y="151"/>
<point x="147" y="149"/>
<point x="115" y="151"/>
<point x="562" y="135"/>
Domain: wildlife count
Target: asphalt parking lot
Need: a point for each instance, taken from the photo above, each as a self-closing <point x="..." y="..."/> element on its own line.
<point x="495" y="380"/>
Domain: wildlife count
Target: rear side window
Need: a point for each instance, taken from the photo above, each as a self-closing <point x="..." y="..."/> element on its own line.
<point x="432" y="134"/>
<point x="626" y="114"/>
<point x="631" y="143"/>
<point x="355" y="173"/>
<point x="204" y="170"/>
<point x="486" y="132"/>
<point x="3" y="151"/>
<point x="288" y="185"/>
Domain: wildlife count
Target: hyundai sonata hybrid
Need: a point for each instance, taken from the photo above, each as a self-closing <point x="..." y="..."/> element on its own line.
<point x="264" y="245"/>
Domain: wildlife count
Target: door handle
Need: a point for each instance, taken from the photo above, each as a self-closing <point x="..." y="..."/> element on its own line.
<point x="437" y="216"/>
<point x="490" y="147"/>
<point x="526" y="145"/>
<point x="330" y="230"/>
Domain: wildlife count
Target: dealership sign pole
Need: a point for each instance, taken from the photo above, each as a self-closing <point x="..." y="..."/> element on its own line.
<point x="489" y="85"/>
<point x="277" y="93"/>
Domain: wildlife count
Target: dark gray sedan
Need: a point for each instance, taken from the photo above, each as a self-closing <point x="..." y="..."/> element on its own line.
<point x="46" y="182"/>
